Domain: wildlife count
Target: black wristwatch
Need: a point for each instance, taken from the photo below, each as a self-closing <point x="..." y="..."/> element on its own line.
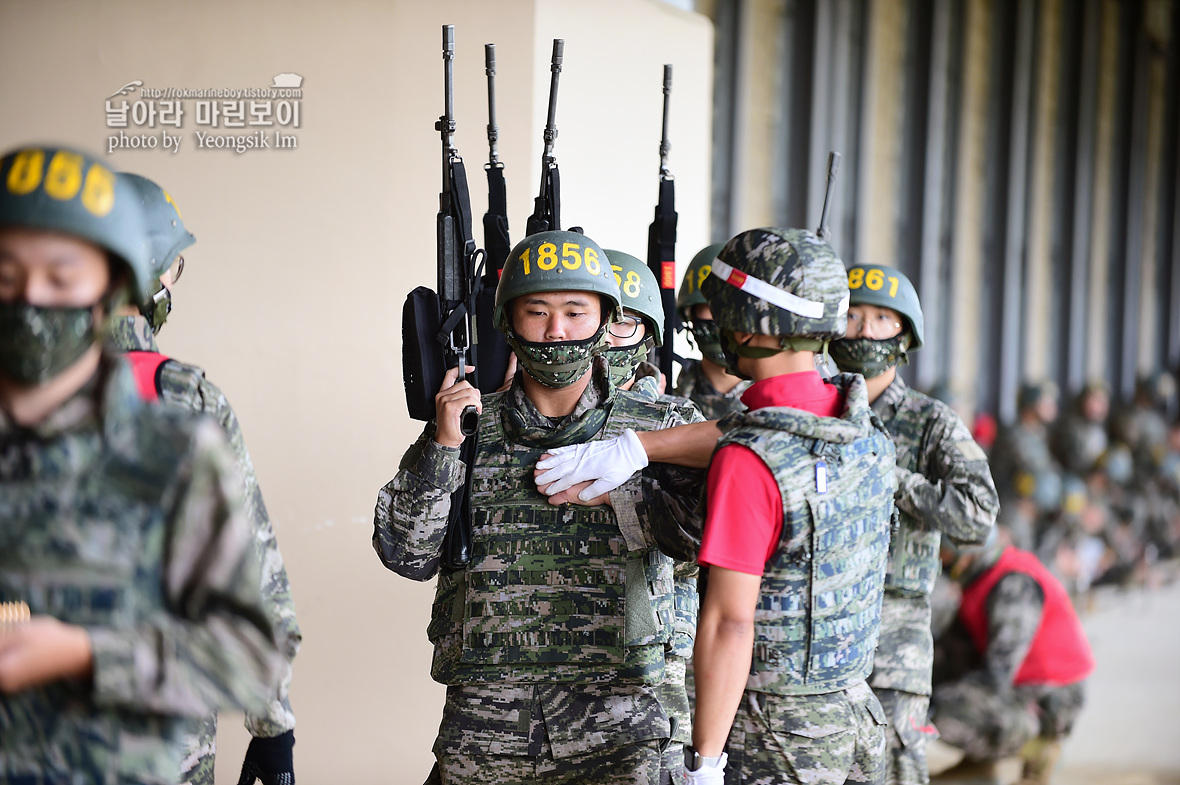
<point x="694" y="761"/>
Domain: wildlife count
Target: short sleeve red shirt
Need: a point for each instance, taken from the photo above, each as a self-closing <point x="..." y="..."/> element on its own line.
<point x="744" y="517"/>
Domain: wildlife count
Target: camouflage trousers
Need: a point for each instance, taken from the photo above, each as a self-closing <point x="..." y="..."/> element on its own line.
<point x="989" y="724"/>
<point x="200" y="749"/>
<point x="672" y="696"/>
<point x="629" y="764"/>
<point x="832" y="738"/>
<point x="905" y="759"/>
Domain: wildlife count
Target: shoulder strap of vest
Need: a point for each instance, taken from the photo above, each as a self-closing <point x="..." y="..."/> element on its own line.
<point x="146" y="368"/>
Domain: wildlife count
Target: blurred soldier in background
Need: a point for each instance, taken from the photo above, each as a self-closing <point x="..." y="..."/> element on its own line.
<point x="1015" y="686"/>
<point x="1027" y="477"/>
<point x="705" y="382"/>
<point x="121" y="523"/>
<point x="185" y="387"/>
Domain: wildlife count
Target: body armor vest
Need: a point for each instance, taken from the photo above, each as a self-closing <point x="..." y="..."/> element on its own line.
<point x="552" y="593"/>
<point x="82" y="540"/>
<point x="1060" y="653"/>
<point x="819" y="612"/>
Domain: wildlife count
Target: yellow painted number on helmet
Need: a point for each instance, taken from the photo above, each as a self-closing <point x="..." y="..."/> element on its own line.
<point x="875" y="279"/>
<point x="702" y="274"/>
<point x="618" y="278"/>
<point x="592" y="265"/>
<point x="98" y="192"/>
<point x="631" y="287"/>
<point x="568" y="251"/>
<point x="856" y="278"/>
<point x="25" y="174"/>
<point x="524" y="257"/>
<point x="547" y="256"/>
<point x="892" y="286"/>
<point x="63" y="180"/>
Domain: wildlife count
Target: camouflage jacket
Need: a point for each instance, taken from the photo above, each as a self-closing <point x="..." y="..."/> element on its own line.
<point x="185" y="387"/>
<point x="694" y="385"/>
<point x="1014" y="609"/>
<point x="944" y="486"/>
<point x="409" y="525"/>
<point x="819" y="612"/>
<point x="125" y="518"/>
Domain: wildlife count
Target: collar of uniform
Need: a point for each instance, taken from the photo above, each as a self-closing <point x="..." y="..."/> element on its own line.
<point x="855" y="422"/>
<point x="788" y="389"/>
<point x="131" y="334"/>
<point x="597" y="394"/>
<point x="887" y="402"/>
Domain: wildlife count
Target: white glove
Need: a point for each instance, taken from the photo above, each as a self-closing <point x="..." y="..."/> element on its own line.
<point x="610" y="463"/>
<point x="708" y="775"/>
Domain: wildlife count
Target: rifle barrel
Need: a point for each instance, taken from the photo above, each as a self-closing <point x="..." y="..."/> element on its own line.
<point x="824" y="232"/>
<point x="489" y="57"/>
<point x="665" y="146"/>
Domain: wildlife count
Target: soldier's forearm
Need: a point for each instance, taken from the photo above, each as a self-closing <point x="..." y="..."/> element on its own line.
<point x="689" y="445"/>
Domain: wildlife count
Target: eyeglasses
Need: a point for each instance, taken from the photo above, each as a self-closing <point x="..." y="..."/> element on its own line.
<point x="177" y="268"/>
<point x="625" y="328"/>
<point x="884" y="325"/>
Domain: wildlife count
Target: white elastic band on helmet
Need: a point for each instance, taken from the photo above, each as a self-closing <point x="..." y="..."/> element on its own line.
<point x="809" y="309"/>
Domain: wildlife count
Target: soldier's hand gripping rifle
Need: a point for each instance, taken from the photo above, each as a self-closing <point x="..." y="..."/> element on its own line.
<point x="661" y="240"/>
<point x="493" y="352"/>
<point x="547" y="206"/>
<point x="436" y="326"/>
<point x="824" y="232"/>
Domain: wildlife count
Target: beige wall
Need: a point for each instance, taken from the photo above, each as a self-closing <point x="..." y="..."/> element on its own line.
<point x="292" y="295"/>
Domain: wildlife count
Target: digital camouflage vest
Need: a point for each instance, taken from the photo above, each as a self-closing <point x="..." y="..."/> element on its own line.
<point x="819" y="613"/>
<point x="694" y="385"/>
<point x="551" y="593"/>
<point x="82" y="530"/>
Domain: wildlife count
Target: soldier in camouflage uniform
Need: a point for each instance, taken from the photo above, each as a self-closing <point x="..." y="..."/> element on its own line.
<point x="121" y="523"/>
<point x="552" y="640"/>
<point x="944" y="487"/>
<point x="269" y="756"/>
<point x="1079" y="437"/>
<point x="630" y="342"/>
<point x="799" y="506"/>
<point x="705" y="382"/>
<point x="1019" y="689"/>
<point x="1027" y="476"/>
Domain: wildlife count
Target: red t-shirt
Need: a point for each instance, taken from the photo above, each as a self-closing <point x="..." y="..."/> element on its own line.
<point x="744" y="519"/>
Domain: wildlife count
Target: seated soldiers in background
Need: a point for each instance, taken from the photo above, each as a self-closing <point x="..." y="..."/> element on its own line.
<point x="705" y="382"/>
<point x="1079" y="437"/>
<point x="1014" y="685"/>
<point x="1027" y="477"/>
<point x="185" y="387"/>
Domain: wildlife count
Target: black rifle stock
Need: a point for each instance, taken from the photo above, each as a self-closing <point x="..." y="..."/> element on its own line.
<point x="547" y="206"/>
<point x="493" y="352"/>
<point x="824" y="232"/>
<point x="661" y="239"/>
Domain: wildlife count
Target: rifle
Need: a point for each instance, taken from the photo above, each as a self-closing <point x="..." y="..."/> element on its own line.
<point x="436" y="325"/>
<point x="661" y="239"/>
<point x="824" y="232"/>
<point x="547" y="206"/>
<point x="492" y="348"/>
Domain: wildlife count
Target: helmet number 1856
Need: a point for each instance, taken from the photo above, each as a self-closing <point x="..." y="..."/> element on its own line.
<point x="572" y="256"/>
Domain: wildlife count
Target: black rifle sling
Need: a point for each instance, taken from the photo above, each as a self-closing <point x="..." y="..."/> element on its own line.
<point x="661" y="256"/>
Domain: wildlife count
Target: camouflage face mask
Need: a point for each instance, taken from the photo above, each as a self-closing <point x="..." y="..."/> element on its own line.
<point x="36" y="344"/>
<point x="867" y="357"/>
<point x="708" y="340"/>
<point x="157" y="309"/>
<point x="625" y="359"/>
<point x="558" y="364"/>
